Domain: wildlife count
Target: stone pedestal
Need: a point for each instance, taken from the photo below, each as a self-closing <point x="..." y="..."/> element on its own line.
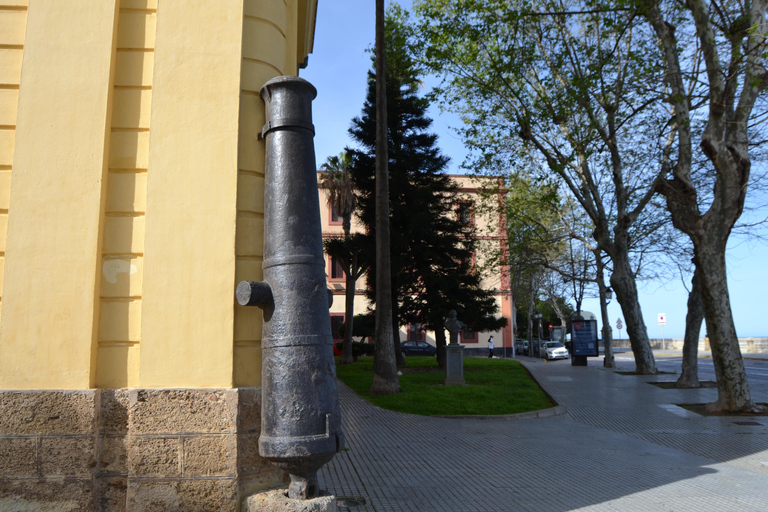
<point x="278" y="501"/>
<point x="454" y="365"/>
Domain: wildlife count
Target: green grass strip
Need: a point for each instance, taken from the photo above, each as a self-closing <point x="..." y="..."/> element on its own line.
<point x="494" y="386"/>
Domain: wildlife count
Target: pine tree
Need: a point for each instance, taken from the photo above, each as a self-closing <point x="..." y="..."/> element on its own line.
<point x="431" y="248"/>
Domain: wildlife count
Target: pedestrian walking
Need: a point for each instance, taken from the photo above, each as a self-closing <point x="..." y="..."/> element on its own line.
<point x="490" y="346"/>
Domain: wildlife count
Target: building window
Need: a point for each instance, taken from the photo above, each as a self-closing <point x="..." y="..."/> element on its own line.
<point x="336" y="219"/>
<point x="466" y="213"/>
<point x="416" y="332"/>
<point x="470" y="263"/>
<point x="337" y="320"/>
<point x="337" y="271"/>
<point x="468" y="336"/>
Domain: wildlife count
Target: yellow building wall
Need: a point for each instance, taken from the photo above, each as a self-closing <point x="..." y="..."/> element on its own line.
<point x="57" y="189"/>
<point x="13" y="23"/>
<point x="122" y="256"/>
<point x="146" y="206"/>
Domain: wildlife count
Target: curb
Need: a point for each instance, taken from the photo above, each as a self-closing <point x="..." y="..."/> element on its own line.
<point x="542" y="413"/>
<point x="709" y="356"/>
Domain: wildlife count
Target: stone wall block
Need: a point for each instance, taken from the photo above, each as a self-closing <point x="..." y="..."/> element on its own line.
<point x="186" y="496"/>
<point x="249" y="406"/>
<point x="268" y="477"/>
<point x="113" y="455"/>
<point x="248" y="454"/>
<point x="154" y="456"/>
<point x="157" y="411"/>
<point x="111" y="494"/>
<point x="210" y="456"/>
<point x="207" y="495"/>
<point x="113" y="411"/>
<point x="48" y="412"/>
<point x="18" y="457"/>
<point x="46" y="495"/>
<point x="71" y="457"/>
<point x="153" y="497"/>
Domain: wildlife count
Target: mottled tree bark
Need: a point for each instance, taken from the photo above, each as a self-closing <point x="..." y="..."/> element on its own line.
<point x="732" y="387"/>
<point x="734" y="84"/>
<point x="625" y="287"/>
<point x="689" y="377"/>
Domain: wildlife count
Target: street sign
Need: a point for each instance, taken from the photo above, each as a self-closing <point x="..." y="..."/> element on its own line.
<point x="619" y="325"/>
<point x="662" y="318"/>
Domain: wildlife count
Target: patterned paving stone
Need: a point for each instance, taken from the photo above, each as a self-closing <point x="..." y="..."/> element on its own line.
<point x="622" y="446"/>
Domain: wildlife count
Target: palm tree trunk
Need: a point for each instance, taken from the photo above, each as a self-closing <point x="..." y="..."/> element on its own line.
<point x="385" y="381"/>
<point x="349" y="312"/>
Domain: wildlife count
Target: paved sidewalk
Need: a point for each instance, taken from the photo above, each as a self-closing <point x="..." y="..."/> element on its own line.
<point x="622" y="446"/>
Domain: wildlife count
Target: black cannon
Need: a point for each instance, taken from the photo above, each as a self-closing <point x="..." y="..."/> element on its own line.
<point x="300" y="421"/>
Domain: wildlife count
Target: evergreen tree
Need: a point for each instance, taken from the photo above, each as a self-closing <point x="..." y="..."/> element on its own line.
<point x="431" y="248"/>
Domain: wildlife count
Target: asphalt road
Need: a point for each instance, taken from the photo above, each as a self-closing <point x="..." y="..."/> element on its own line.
<point x="757" y="371"/>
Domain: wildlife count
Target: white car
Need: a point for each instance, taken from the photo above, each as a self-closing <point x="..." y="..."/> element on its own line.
<point x="553" y="350"/>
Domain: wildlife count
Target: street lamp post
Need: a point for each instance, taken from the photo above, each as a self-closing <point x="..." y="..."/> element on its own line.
<point x="537" y="316"/>
<point x="608" y="360"/>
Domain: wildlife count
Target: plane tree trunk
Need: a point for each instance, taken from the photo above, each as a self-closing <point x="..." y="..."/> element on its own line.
<point x="689" y="376"/>
<point x="608" y="361"/>
<point x="733" y="84"/>
<point x="733" y="392"/>
<point x="625" y="287"/>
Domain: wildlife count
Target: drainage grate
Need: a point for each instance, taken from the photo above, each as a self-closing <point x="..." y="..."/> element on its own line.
<point x="748" y="423"/>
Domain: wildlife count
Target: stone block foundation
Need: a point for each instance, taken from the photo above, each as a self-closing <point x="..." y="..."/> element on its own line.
<point x="132" y="450"/>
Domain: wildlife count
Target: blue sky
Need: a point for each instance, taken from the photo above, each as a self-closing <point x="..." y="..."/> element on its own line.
<point x="338" y="67"/>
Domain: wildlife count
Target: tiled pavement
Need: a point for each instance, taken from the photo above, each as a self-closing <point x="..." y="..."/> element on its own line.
<point x="622" y="446"/>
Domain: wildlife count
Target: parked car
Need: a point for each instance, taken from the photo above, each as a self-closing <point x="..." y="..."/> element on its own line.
<point x="521" y="346"/>
<point x="417" y="348"/>
<point x="553" y="350"/>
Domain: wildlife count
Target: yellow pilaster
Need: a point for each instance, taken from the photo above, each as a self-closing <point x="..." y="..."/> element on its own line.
<point x="50" y="305"/>
<point x="189" y="258"/>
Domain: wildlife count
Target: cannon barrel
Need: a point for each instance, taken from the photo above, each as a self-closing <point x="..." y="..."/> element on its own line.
<point x="300" y="419"/>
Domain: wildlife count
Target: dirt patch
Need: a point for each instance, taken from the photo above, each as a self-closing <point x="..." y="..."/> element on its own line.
<point x="671" y="384"/>
<point x="701" y="410"/>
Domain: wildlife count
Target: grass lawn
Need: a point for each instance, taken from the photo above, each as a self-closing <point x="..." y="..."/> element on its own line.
<point x="494" y="386"/>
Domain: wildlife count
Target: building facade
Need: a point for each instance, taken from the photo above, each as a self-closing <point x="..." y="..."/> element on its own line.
<point x="491" y="229"/>
<point x="131" y="203"/>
